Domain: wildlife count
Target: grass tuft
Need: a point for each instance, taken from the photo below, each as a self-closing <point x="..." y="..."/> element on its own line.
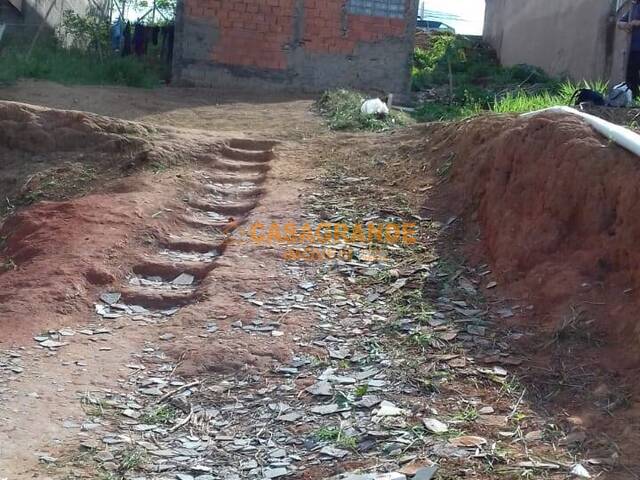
<point x="341" y="108"/>
<point x="49" y="61"/>
<point x="464" y="79"/>
<point x="163" y="415"/>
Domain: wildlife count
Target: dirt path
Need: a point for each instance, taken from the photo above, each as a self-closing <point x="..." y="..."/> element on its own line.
<point x="221" y="358"/>
<point x="274" y="116"/>
<point x="46" y="387"/>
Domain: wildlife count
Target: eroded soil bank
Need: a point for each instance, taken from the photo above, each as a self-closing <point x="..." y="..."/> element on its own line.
<point x="546" y="208"/>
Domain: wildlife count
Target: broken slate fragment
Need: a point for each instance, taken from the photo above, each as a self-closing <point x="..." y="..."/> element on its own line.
<point x="390" y="476"/>
<point x="580" y="472"/>
<point x="155" y="392"/>
<point x="184" y="279"/>
<point x="435" y="426"/>
<point x="183" y="476"/>
<point x="322" y="389"/>
<point x="534" y="436"/>
<point x="104" y="456"/>
<point x="341" y="379"/>
<point x="248" y="465"/>
<point x="110" y="298"/>
<point x="333" y="452"/>
<point x="368" y="401"/>
<point x="329" y="409"/>
<point x="132" y="413"/>
<point x="339" y="354"/>
<point x="476" y="330"/>
<point x="307" y="286"/>
<point x="468" y="441"/>
<point x="388" y="409"/>
<point x="274" y="472"/>
<point x="426" y="473"/>
<point x="290" y="417"/>
<point x="51" y="344"/>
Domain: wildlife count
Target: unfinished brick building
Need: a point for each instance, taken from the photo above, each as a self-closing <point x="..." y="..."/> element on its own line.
<point x="301" y="44"/>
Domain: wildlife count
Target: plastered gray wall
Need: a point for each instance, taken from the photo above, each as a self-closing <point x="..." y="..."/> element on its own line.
<point x="564" y="37"/>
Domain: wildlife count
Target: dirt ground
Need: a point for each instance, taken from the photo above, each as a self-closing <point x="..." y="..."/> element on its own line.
<point x="486" y="326"/>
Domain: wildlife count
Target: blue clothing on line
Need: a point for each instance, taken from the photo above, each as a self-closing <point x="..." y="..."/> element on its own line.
<point x="116" y="34"/>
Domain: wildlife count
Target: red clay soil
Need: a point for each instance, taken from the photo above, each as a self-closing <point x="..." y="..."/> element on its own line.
<point x="552" y="208"/>
<point x="56" y="256"/>
<point x="556" y="204"/>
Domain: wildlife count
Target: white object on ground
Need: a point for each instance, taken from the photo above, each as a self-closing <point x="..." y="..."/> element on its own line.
<point x="620" y="135"/>
<point x="375" y="106"/>
<point x="579" y="471"/>
<point x="620" y="96"/>
<point x="435" y="425"/>
<point x="388" y="409"/>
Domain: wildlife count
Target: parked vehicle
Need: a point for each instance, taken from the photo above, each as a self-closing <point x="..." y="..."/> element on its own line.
<point x="433" y="26"/>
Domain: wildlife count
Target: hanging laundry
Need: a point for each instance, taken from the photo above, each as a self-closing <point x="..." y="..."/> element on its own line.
<point x="126" y="49"/>
<point x="138" y="39"/>
<point x="116" y="34"/>
<point x="154" y="35"/>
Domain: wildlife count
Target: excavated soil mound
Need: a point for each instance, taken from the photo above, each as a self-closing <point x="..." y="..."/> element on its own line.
<point x="104" y="183"/>
<point x="48" y="154"/>
<point x="557" y="207"/>
<point x="549" y="203"/>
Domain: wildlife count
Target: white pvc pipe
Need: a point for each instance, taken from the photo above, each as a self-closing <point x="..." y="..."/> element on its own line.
<point x="616" y="133"/>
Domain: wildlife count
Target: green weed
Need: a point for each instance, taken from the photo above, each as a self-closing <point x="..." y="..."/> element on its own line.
<point x="469" y="414"/>
<point x="72" y="66"/>
<point x="162" y="415"/>
<point x="469" y="81"/>
<point x="422" y="340"/>
<point x="336" y="436"/>
<point x="341" y="108"/>
<point x="362" y="390"/>
<point x="132" y="459"/>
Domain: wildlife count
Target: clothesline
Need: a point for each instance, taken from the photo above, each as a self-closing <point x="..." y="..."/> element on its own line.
<point x="137" y="42"/>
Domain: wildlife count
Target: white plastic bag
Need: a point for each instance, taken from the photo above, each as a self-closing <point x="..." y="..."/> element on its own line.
<point x="376" y="107"/>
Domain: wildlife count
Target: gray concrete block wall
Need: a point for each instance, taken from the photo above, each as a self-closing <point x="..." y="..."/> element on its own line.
<point x="382" y="65"/>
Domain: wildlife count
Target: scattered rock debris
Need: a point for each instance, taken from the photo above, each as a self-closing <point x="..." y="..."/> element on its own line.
<point x="409" y="384"/>
<point x="404" y="374"/>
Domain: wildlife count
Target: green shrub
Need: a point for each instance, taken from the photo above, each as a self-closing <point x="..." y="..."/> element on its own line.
<point x="436" y="112"/>
<point x="341" y="108"/>
<point x="559" y="94"/>
<point x="467" y="79"/>
<point x="73" y="66"/>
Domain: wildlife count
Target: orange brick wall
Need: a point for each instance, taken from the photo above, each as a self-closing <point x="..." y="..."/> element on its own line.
<point x="260" y="33"/>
